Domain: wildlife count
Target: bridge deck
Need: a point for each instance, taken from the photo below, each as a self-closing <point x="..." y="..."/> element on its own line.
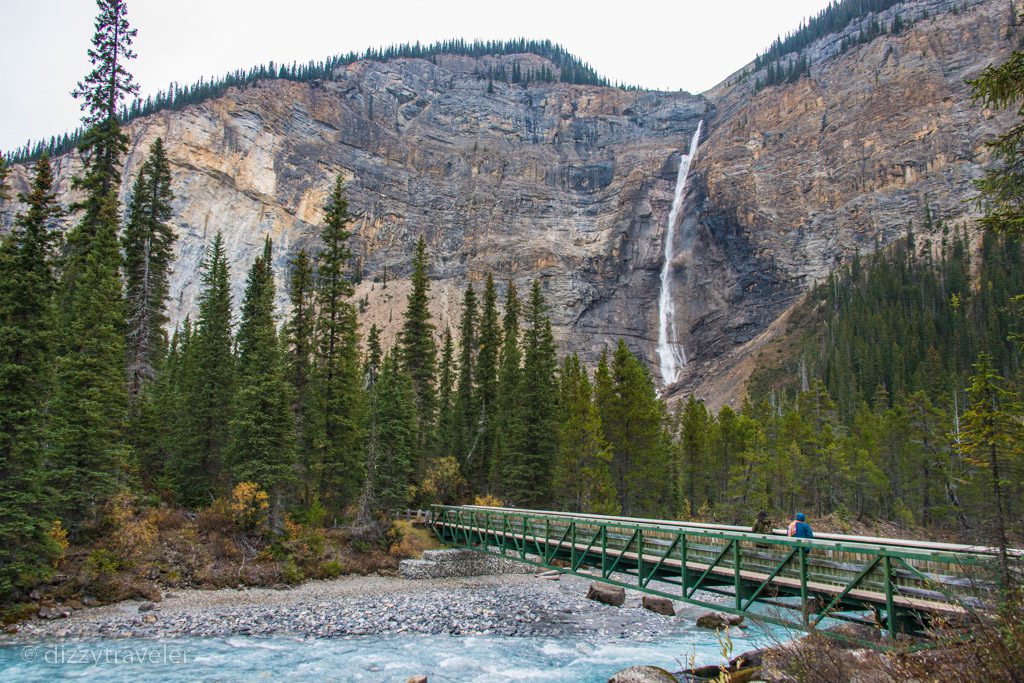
<point x="901" y="584"/>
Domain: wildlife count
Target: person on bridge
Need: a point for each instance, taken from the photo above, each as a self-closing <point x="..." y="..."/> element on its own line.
<point x="799" y="528"/>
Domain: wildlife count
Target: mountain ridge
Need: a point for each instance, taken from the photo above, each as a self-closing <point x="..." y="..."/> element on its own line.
<point x="573" y="183"/>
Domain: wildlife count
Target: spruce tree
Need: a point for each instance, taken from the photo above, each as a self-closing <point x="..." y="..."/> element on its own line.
<point x="90" y="401"/>
<point x="196" y="470"/>
<point x="373" y="356"/>
<point x="156" y="425"/>
<point x="991" y="439"/>
<point x="27" y="287"/>
<point x="148" y="241"/>
<point x="465" y="398"/>
<point x="488" y="346"/>
<point x="447" y="420"/>
<point x="510" y="417"/>
<point x="1002" y="186"/>
<point x="341" y="409"/>
<point x="694" y="436"/>
<point x="632" y="416"/>
<point x="391" y="442"/>
<point x="539" y="396"/>
<point x="262" y="446"/>
<point x="418" y="351"/>
<point x="298" y="338"/>
<point x="582" y="478"/>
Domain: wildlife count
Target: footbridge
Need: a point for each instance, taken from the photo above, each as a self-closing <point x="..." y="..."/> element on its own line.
<point x="900" y="586"/>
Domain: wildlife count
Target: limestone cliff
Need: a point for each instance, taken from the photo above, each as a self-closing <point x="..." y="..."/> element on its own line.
<point x="572" y="184"/>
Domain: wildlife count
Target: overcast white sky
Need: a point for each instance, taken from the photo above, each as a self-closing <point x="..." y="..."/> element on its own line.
<point x="667" y="44"/>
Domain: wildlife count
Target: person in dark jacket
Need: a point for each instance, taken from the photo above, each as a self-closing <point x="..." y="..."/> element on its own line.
<point x="799" y="528"/>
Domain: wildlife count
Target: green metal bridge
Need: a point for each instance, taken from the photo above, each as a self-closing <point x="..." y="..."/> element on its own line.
<point x="897" y="585"/>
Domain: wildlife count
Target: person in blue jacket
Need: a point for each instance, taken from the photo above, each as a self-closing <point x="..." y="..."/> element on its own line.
<point x="798" y="528"/>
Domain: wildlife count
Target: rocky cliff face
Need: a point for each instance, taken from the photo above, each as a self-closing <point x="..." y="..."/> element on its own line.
<point x="573" y="184"/>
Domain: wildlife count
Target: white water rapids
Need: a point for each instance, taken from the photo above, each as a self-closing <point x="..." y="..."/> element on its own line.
<point x="671" y="355"/>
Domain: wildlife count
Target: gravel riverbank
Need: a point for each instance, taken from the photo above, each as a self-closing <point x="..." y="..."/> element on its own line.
<point x="509" y="605"/>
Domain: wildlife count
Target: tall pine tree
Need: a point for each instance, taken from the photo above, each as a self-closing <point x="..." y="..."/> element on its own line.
<point x="418" y="351"/>
<point x="582" y="477"/>
<point x="298" y="338"/>
<point x="27" y="287"/>
<point x="196" y="469"/>
<point x="90" y="402"/>
<point x="510" y="417"/>
<point x="465" y="397"/>
<point x="391" y="443"/>
<point x="262" y="443"/>
<point x="488" y="347"/>
<point x="539" y="395"/>
<point x="341" y="410"/>
<point x="148" y="241"/>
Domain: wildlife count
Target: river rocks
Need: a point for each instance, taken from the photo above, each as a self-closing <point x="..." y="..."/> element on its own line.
<point x="57" y="612"/>
<point x="609" y="595"/>
<point x="439" y="564"/>
<point x="146" y="607"/>
<point x="416" y="679"/>
<point x="643" y="674"/>
<point x="718" y="621"/>
<point x="658" y="605"/>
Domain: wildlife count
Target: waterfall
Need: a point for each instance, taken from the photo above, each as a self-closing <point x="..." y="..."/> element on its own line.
<point x="671" y="356"/>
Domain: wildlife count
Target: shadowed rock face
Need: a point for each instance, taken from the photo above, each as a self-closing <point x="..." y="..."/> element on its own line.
<point x="573" y="184"/>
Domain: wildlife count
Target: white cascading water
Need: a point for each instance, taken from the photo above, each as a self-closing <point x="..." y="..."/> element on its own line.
<point x="671" y="356"/>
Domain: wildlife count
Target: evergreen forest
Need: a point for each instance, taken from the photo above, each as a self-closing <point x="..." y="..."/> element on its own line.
<point x="901" y="403"/>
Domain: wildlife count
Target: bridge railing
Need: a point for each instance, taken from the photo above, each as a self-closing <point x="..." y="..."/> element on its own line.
<point x="900" y="586"/>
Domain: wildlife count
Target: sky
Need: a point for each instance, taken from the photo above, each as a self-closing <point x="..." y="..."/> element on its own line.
<point x="664" y="44"/>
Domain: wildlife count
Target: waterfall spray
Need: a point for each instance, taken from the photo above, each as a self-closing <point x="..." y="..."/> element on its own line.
<point x="671" y="355"/>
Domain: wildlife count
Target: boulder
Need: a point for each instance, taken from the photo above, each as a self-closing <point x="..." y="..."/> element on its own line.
<point x="658" y="605"/>
<point x="718" y="621"/>
<point x="609" y="595"/>
<point x="751" y="673"/>
<point x="643" y="674"/>
<point x="751" y="658"/>
<point x="709" y="672"/>
<point x="147" y="607"/>
<point x="416" y="679"/>
<point x="149" y="619"/>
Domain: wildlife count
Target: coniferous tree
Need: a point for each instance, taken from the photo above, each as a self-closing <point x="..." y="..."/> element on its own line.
<point x="373" y="356"/>
<point x="532" y="478"/>
<point x="510" y="432"/>
<point x="196" y="470"/>
<point x="465" y="398"/>
<point x="694" y="437"/>
<point x="631" y="415"/>
<point x="488" y="343"/>
<point x="157" y="420"/>
<point x="391" y="442"/>
<point x="341" y="412"/>
<point x="298" y="337"/>
<point x="447" y="419"/>
<point x="1002" y="187"/>
<point x="581" y="477"/>
<point x="90" y="401"/>
<point x="147" y="242"/>
<point x="991" y="440"/>
<point x="262" y="445"/>
<point x="27" y="288"/>
<point x="418" y="351"/>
